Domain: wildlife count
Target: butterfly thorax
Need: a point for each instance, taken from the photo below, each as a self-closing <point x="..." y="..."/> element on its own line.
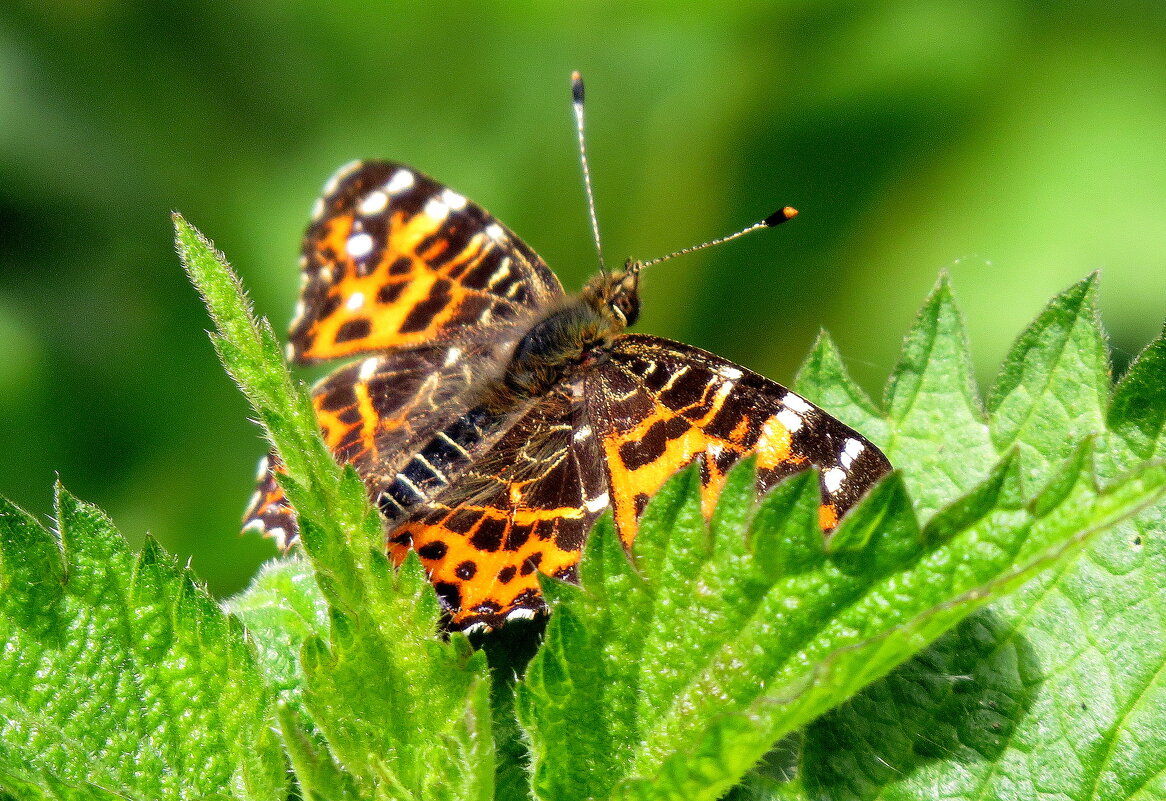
<point x="575" y="335"/>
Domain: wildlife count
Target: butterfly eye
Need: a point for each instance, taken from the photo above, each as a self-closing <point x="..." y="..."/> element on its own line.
<point x="627" y="306"/>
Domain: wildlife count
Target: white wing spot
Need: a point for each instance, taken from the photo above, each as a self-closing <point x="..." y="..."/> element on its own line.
<point x="714" y="449"/>
<point x="436" y="210"/>
<point x="442" y="435"/>
<point x="374" y="203"/>
<point x="495" y="232"/>
<point x="255" y="525"/>
<point x="582" y="434"/>
<point x="318" y="209"/>
<point x="261" y="473"/>
<point x="790" y="419"/>
<point x="368" y="368"/>
<point x="796" y="402"/>
<point x="453" y="200"/>
<point x="432" y="468"/>
<point x="256" y="499"/>
<point x="299" y="313"/>
<point x="279" y="535"/>
<point x="355" y="301"/>
<point x="730" y="372"/>
<point x="832" y="479"/>
<point x="597" y="504"/>
<point x="451" y="356"/>
<point x="359" y="245"/>
<point x="520" y="613"/>
<point x="402" y="179"/>
<point x="850" y="452"/>
<point x="676" y="376"/>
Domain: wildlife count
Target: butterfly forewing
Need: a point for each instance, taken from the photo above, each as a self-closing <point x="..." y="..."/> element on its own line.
<point x="395" y="259"/>
<point x="657" y="405"/>
<point x="398" y="265"/>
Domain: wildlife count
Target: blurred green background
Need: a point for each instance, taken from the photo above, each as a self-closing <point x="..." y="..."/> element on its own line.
<point x="1018" y="145"/>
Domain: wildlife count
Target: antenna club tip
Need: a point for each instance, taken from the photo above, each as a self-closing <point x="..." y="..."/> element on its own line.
<point x="577" y="86"/>
<point x="783" y="214"/>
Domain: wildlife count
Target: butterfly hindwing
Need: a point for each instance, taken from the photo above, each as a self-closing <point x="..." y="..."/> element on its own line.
<point x="374" y="414"/>
<point x="269" y="512"/>
<point x="394" y="259"/>
<point x="524" y="508"/>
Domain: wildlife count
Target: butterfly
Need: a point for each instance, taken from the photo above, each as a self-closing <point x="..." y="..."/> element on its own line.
<point x="494" y="418"/>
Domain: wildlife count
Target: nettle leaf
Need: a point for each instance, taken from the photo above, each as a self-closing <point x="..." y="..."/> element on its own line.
<point x="939" y="430"/>
<point x="119" y="676"/>
<point x="1054" y="386"/>
<point x="1137" y="413"/>
<point x="378" y="704"/>
<point x="670" y="675"/>
<point x="824" y="380"/>
<point x="281" y="610"/>
<point x="1056" y="690"/>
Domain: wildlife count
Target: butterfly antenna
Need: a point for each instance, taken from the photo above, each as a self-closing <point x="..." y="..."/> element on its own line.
<point x="577" y="104"/>
<point x="773" y="220"/>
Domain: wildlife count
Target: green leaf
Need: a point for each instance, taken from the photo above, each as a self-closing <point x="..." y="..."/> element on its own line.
<point x="1138" y="411"/>
<point x="120" y="676"/>
<point x="405" y="716"/>
<point x="1059" y="685"/>
<point x="939" y="431"/>
<point x="1057" y="689"/>
<point x="281" y="610"/>
<point x="1054" y="386"/>
<point x="673" y="676"/>
<point x="378" y="705"/>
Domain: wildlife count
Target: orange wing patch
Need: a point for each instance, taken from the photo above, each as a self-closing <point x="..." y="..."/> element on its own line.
<point x="395" y="260"/>
<point x="401" y="301"/>
<point x="525" y="508"/>
<point x="484" y="560"/>
<point x="662" y="405"/>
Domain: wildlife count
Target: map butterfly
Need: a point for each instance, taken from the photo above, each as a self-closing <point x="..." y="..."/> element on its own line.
<point x="493" y="418"/>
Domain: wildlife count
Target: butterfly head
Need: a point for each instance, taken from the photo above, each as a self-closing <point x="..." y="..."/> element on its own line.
<point x="616" y="295"/>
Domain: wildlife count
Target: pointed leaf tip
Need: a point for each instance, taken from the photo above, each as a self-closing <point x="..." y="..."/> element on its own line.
<point x="1053" y="388"/>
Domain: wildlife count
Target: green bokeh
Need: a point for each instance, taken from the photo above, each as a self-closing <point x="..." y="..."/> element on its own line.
<point x="1019" y="145"/>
